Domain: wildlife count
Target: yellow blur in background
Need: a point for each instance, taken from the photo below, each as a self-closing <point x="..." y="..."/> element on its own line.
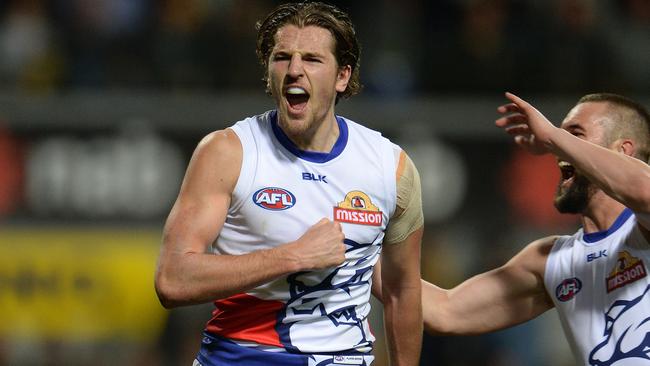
<point x="79" y="285"/>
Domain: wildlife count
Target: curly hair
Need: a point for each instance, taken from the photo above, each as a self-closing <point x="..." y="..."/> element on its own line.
<point x="347" y="50"/>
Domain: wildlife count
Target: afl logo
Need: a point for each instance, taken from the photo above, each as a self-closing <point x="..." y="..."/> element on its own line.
<point x="568" y="289"/>
<point x="274" y="199"/>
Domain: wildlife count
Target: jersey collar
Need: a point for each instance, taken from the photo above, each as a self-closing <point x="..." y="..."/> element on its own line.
<point x="600" y="235"/>
<point x="313" y="156"/>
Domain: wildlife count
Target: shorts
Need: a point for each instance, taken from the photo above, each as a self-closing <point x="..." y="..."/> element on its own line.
<point x="217" y="351"/>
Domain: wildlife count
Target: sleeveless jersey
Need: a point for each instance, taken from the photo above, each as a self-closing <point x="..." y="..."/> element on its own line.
<point x="280" y="193"/>
<point x="599" y="284"/>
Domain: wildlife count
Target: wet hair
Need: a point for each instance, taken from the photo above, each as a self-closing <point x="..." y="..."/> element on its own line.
<point x="346" y="49"/>
<point x="630" y="120"/>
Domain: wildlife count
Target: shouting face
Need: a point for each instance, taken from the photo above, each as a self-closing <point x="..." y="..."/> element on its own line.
<point x="588" y="121"/>
<point x="304" y="79"/>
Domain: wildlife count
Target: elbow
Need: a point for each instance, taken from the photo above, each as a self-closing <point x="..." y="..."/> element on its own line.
<point x="166" y="301"/>
<point x="434" y="330"/>
<point x="436" y="325"/>
<point x="168" y="293"/>
<point x="436" y="315"/>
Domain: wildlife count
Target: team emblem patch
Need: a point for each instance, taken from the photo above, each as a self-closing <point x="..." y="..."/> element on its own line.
<point x="568" y="289"/>
<point x="357" y="208"/>
<point x="274" y="198"/>
<point x="627" y="270"/>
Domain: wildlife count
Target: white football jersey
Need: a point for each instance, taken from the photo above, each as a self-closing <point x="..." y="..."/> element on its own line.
<point x="599" y="284"/>
<point x="280" y="193"/>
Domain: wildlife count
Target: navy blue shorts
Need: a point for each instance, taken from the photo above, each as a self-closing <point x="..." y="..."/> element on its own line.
<point x="217" y="351"/>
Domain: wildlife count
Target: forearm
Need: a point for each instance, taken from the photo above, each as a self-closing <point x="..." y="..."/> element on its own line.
<point x="622" y="177"/>
<point x="484" y="303"/>
<point x="435" y="301"/>
<point x="462" y="310"/>
<point x="193" y="278"/>
<point x="403" y="325"/>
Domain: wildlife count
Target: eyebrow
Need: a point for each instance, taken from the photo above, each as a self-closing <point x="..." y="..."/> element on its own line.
<point x="304" y="54"/>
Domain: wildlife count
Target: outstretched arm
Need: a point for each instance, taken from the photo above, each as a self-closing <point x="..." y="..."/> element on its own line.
<point x="501" y="298"/>
<point x="616" y="172"/>
<point x="187" y="274"/>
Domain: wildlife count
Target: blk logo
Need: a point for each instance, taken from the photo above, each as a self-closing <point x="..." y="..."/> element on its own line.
<point x="593" y="256"/>
<point x="314" y="177"/>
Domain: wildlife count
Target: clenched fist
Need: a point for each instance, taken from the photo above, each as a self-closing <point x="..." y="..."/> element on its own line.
<point x="321" y="246"/>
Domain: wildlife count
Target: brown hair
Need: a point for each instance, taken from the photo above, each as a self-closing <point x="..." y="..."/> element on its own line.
<point x="631" y="120"/>
<point x="346" y="49"/>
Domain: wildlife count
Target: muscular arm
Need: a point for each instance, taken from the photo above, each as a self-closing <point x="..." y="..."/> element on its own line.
<point x="503" y="297"/>
<point x="187" y="274"/>
<point x="617" y="173"/>
<point x="400" y="279"/>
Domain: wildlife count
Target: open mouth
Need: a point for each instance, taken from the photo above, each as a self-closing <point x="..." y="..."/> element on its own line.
<point x="296" y="97"/>
<point x="567" y="170"/>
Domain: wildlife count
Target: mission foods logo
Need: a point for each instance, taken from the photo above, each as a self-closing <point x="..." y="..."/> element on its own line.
<point x="568" y="289"/>
<point x="627" y="270"/>
<point x="274" y="198"/>
<point x="357" y="208"/>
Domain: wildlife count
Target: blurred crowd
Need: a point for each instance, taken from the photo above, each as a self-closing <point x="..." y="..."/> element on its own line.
<point x="409" y="46"/>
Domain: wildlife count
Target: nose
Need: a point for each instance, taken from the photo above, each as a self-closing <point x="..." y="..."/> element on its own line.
<point x="295" y="66"/>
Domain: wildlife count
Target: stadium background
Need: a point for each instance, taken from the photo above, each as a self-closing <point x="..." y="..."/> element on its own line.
<point x="102" y="102"/>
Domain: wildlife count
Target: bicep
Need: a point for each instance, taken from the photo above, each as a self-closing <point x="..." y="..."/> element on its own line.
<point x="500" y="298"/>
<point x="202" y="204"/>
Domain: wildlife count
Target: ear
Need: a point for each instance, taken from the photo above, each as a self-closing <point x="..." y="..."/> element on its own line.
<point x="343" y="77"/>
<point x="626" y="146"/>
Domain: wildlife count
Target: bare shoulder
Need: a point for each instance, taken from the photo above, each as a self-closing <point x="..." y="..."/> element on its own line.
<point x="542" y="247"/>
<point x="216" y="160"/>
<point x="220" y="143"/>
<point x="533" y="257"/>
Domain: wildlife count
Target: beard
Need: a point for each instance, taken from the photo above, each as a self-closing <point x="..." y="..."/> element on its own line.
<point x="574" y="198"/>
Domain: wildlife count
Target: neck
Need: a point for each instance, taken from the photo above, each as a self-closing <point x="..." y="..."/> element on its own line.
<point x="318" y="137"/>
<point x="601" y="213"/>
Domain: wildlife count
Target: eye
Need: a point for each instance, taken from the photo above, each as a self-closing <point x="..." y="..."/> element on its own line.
<point x="577" y="132"/>
<point x="280" y="57"/>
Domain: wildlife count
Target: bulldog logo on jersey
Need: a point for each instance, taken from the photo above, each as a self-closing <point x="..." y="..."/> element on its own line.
<point x="357" y="208"/>
<point x="627" y="270"/>
<point x="274" y="198"/>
